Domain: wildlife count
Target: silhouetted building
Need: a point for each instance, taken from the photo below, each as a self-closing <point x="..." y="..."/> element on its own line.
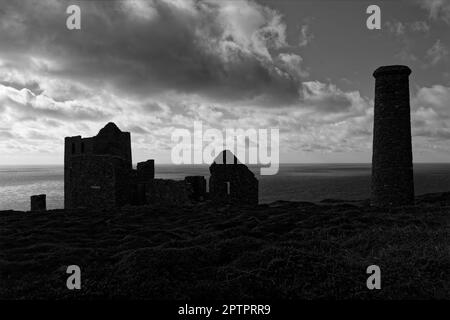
<point x="166" y="192"/>
<point x="98" y="170"/>
<point x="198" y="184"/>
<point x="146" y="171"/>
<point x="98" y="173"/>
<point x="392" y="167"/>
<point x="232" y="182"/>
<point x="38" y="202"/>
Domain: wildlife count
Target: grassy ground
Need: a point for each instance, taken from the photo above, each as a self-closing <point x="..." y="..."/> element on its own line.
<point x="285" y="250"/>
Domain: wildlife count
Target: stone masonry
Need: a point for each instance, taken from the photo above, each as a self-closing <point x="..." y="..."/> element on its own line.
<point x="98" y="173"/>
<point x="38" y="202"/>
<point x="392" y="167"/>
<point x="232" y="182"/>
<point x="98" y="170"/>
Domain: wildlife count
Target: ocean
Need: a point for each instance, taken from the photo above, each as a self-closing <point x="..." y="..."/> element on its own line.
<point x="296" y="182"/>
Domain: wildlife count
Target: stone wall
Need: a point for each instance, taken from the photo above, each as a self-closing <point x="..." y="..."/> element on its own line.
<point x="198" y="184"/>
<point x="98" y="173"/>
<point x="392" y="168"/>
<point x="86" y="182"/>
<point x="232" y="183"/>
<point x="38" y="202"/>
<point x="112" y="141"/>
<point x="98" y="181"/>
<point x="164" y="192"/>
<point x="146" y="171"/>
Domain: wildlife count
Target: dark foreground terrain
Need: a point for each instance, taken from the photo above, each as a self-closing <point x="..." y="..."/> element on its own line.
<point x="285" y="250"/>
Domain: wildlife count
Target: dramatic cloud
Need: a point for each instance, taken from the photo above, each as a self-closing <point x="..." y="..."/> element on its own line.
<point x="431" y="114"/>
<point x="223" y="49"/>
<point x="292" y="64"/>
<point x="154" y="66"/>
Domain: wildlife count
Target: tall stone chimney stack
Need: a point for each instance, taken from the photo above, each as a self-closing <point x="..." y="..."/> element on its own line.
<point x="392" y="168"/>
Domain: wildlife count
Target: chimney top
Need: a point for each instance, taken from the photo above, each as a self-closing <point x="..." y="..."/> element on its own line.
<point x="390" y="70"/>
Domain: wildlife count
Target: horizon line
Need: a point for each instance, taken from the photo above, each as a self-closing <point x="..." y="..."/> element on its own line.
<point x="279" y="163"/>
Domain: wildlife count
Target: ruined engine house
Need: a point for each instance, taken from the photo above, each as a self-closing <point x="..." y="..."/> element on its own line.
<point x="98" y="173"/>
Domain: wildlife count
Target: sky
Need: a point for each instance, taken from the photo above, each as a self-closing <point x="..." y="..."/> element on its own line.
<point x="304" y="67"/>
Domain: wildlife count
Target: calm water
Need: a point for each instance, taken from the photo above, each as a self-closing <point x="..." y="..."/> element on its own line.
<point x="308" y="182"/>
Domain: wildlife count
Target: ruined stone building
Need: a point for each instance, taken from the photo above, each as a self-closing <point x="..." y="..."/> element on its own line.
<point x="98" y="170"/>
<point x="392" y="165"/>
<point x="98" y="173"/>
<point x="232" y="182"/>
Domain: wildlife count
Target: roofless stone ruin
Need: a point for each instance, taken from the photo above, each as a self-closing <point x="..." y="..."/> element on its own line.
<point x="231" y="181"/>
<point x="98" y="173"/>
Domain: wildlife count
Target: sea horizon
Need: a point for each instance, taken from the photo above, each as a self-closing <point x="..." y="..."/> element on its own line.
<point x="294" y="182"/>
<point x="280" y="163"/>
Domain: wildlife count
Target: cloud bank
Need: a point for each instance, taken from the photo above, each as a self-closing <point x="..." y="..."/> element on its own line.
<point x="153" y="66"/>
